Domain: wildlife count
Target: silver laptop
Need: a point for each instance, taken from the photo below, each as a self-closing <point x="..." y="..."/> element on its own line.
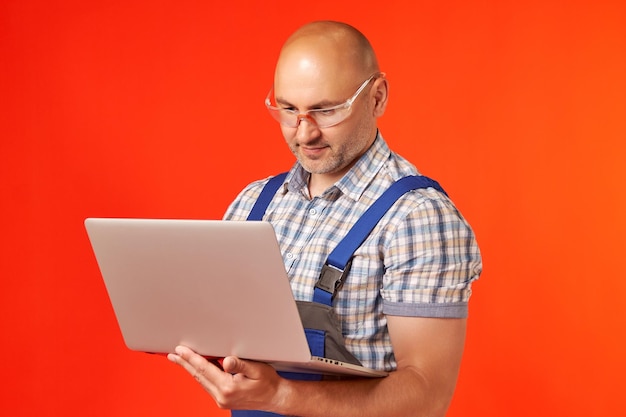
<point x="218" y="287"/>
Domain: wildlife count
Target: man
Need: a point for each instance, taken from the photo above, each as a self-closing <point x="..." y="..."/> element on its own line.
<point x="403" y="305"/>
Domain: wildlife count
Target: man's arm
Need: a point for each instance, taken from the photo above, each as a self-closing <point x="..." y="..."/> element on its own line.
<point x="428" y="352"/>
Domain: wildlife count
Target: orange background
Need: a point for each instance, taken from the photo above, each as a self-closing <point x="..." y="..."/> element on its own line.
<point x="155" y="109"/>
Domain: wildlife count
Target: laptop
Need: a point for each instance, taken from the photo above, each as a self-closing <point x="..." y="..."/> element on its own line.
<point x="218" y="287"/>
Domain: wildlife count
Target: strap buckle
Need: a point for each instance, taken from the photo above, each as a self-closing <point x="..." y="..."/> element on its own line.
<point x="331" y="278"/>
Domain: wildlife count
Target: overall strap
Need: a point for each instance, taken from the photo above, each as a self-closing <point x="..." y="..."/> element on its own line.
<point x="264" y="199"/>
<point x="338" y="263"/>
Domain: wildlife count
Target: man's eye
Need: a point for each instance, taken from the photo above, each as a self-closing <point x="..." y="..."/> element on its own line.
<point x="326" y="112"/>
<point x="289" y="110"/>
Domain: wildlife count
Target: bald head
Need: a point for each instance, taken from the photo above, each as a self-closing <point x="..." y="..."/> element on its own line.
<point x="334" y="44"/>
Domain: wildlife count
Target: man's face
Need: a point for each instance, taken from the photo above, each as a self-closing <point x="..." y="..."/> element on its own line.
<point x="333" y="150"/>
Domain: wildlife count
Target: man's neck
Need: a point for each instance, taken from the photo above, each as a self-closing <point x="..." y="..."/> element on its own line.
<point x="318" y="183"/>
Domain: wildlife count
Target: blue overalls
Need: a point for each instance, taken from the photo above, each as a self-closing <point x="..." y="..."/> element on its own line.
<point x="325" y="339"/>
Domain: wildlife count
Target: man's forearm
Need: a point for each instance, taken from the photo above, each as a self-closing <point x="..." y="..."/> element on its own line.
<point x="402" y="393"/>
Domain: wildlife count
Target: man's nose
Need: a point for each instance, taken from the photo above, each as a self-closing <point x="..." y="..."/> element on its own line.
<point x="307" y="128"/>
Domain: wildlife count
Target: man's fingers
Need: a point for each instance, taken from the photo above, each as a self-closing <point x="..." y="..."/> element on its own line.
<point x="196" y="365"/>
<point x="239" y="383"/>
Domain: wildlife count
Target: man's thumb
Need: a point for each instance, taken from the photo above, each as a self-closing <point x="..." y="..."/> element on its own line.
<point x="234" y="365"/>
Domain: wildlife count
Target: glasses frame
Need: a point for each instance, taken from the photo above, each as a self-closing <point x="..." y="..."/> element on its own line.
<point x="276" y="112"/>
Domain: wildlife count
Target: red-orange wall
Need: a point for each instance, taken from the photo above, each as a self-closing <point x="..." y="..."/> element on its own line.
<point x="155" y="109"/>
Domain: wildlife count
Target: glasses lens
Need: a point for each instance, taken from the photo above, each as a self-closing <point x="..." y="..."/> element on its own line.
<point x="284" y="117"/>
<point x="330" y="117"/>
<point x="322" y="117"/>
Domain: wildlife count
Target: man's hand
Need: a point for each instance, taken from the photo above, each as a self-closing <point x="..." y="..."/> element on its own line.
<point x="241" y="385"/>
<point x="428" y="352"/>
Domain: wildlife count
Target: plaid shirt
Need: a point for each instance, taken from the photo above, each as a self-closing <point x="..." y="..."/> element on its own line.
<point x="418" y="261"/>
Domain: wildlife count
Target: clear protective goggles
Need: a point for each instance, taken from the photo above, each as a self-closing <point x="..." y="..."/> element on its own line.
<point x="325" y="117"/>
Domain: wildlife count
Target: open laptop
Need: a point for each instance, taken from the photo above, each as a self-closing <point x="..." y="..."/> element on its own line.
<point x="218" y="287"/>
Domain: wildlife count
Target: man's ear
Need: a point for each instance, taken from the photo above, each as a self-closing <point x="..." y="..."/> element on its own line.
<point x="380" y="92"/>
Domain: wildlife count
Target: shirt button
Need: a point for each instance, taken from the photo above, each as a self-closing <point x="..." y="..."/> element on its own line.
<point x="313" y="212"/>
<point x="289" y="255"/>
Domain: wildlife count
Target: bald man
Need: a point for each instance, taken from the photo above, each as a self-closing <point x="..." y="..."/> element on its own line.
<point x="403" y="305"/>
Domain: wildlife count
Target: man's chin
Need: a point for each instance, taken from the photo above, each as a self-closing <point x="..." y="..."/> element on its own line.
<point x="314" y="168"/>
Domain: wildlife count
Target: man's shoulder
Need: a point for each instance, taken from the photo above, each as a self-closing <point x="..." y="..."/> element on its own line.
<point x="243" y="203"/>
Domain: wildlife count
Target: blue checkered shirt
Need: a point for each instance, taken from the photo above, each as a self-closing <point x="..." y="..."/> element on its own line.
<point x="420" y="260"/>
